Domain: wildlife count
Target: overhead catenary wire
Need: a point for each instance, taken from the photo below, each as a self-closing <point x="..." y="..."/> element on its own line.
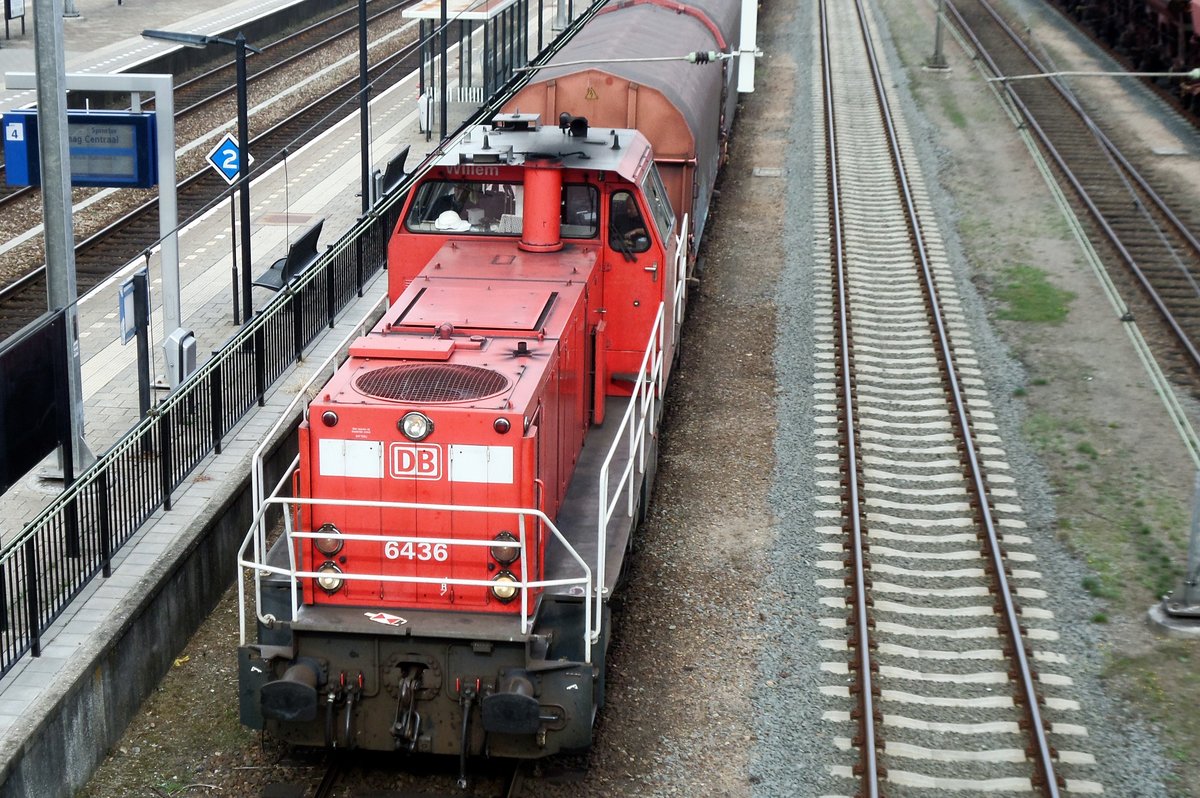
<point x="1193" y="74"/>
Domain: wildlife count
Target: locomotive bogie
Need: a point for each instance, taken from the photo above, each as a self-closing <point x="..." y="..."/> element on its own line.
<point x="409" y="691"/>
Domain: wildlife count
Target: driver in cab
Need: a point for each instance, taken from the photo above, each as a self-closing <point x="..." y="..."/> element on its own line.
<point x="628" y="228"/>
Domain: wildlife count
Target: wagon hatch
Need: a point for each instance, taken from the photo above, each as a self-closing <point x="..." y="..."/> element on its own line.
<point x="478" y="307"/>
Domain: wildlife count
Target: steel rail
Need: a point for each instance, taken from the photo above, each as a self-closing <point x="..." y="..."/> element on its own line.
<point x="285" y="61"/>
<point x="20" y="192"/>
<point x="1045" y="777"/>
<point x="26" y="282"/>
<point x="383" y="68"/>
<point x="868" y="742"/>
<point x="334" y="769"/>
<point x="1114" y="238"/>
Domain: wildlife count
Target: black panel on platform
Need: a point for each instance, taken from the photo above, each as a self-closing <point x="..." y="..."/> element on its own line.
<point x="34" y="405"/>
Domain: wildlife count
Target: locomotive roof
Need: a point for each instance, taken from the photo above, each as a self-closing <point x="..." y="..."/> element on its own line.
<point x="521" y="138"/>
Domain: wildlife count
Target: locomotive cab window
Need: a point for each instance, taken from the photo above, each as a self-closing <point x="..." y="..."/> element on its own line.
<point x="580" y="211"/>
<point x="468" y="207"/>
<point x="627" y="229"/>
<point x="660" y="203"/>
<point x="465" y="206"/>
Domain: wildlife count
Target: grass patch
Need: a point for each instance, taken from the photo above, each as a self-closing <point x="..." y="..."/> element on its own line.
<point x="1116" y="515"/>
<point x="1097" y="587"/>
<point x="1030" y="297"/>
<point x="953" y="113"/>
<point x="1041" y="427"/>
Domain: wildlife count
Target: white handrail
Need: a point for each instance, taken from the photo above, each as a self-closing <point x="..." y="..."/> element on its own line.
<point x="681" y="263"/>
<point x="647" y="389"/>
<point x="260" y="567"/>
<point x="256" y="537"/>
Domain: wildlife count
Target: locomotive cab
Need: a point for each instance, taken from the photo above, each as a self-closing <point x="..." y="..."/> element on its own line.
<point x="608" y="192"/>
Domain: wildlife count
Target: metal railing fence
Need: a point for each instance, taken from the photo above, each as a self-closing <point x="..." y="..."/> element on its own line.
<point x="74" y="539"/>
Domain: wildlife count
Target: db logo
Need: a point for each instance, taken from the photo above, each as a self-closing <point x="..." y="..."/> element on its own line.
<point x="418" y="462"/>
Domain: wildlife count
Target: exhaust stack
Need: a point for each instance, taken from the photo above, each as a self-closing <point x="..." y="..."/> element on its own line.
<point x="541" y="228"/>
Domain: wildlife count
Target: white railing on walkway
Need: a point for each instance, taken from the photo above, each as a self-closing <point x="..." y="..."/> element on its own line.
<point x="639" y="421"/>
<point x="257" y="563"/>
<point x="681" y="267"/>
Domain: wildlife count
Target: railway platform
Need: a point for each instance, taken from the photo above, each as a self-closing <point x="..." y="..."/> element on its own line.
<point x="60" y="712"/>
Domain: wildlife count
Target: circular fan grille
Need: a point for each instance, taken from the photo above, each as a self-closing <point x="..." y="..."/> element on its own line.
<point x="431" y="382"/>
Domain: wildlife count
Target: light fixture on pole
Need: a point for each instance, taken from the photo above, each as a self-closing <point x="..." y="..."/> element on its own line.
<point x="243" y="124"/>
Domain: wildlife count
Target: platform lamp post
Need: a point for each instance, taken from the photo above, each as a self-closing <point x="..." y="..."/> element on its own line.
<point x="364" y="107"/>
<point x="938" y="60"/>
<point x="243" y="125"/>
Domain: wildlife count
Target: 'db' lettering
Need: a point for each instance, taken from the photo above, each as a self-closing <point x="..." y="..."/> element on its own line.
<point x="417" y="462"/>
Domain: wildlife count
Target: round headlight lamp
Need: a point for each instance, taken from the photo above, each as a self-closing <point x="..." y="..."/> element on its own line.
<point x="416" y="426"/>
<point x="328" y="582"/>
<point x="504" y="586"/>
<point x="506" y="554"/>
<point x="331" y="541"/>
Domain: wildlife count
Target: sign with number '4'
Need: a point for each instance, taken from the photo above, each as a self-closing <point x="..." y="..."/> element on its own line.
<point x="224" y="158"/>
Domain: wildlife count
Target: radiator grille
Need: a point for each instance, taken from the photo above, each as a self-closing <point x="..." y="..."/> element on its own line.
<point x="431" y="382"/>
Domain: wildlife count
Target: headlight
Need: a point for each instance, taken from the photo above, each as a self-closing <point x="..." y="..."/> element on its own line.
<point x="331" y="543"/>
<point x="506" y="554"/>
<point x="416" y="426"/>
<point x="328" y="582"/>
<point x="504" y="587"/>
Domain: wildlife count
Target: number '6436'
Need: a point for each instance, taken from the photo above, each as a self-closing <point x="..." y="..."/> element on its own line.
<point x="437" y="552"/>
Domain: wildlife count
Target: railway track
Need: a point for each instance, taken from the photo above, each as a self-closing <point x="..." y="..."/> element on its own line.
<point x="220" y="82"/>
<point x="950" y="682"/>
<point x="1142" y="234"/>
<point x="106" y="251"/>
<point x="201" y="91"/>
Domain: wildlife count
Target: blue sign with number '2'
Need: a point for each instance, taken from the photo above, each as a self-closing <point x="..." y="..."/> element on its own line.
<point x="224" y="158"/>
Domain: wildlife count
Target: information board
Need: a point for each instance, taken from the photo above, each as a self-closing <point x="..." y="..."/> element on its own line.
<point x="106" y="149"/>
<point x="14" y="9"/>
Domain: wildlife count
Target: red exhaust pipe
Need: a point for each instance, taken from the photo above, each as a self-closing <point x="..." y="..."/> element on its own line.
<point x="541" y="227"/>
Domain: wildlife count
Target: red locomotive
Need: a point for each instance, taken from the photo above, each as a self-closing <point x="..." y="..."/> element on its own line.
<point x="469" y="481"/>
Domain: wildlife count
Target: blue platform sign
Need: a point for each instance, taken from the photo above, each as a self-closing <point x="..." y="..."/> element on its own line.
<point x="225" y="158"/>
<point x="106" y="148"/>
